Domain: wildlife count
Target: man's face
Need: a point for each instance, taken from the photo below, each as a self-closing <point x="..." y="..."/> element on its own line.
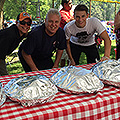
<point x="52" y="24"/>
<point x="80" y="17"/>
<point x="68" y="6"/>
<point x="24" y="26"/>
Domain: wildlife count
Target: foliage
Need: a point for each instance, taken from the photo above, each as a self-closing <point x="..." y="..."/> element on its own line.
<point x="13" y="7"/>
<point x="101" y="10"/>
<point x="15" y="68"/>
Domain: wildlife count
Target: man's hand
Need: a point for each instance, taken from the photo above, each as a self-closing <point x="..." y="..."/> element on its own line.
<point x="72" y="62"/>
<point x="55" y="66"/>
<point x="104" y="58"/>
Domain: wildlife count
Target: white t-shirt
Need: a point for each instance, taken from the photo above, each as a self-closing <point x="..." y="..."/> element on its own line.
<point x="83" y="36"/>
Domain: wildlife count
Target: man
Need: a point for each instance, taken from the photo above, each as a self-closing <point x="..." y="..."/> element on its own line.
<point x="117" y="31"/>
<point x="35" y="53"/>
<point x="11" y="37"/>
<point x="66" y="12"/>
<point x="66" y="16"/>
<point x="81" y="31"/>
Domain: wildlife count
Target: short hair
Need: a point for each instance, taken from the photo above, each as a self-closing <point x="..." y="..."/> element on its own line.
<point x="64" y="1"/>
<point x="54" y="12"/>
<point x="81" y="7"/>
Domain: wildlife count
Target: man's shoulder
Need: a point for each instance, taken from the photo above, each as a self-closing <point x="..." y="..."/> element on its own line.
<point x="9" y="28"/>
<point x="92" y="19"/>
<point x="37" y="29"/>
<point x="70" y="24"/>
<point x="9" y="31"/>
<point x="60" y="31"/>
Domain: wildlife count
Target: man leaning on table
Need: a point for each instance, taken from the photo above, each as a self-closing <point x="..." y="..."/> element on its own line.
<point x="11" y="37"/>
<point x="80" y="36"/>
<point x="36" y="51"/>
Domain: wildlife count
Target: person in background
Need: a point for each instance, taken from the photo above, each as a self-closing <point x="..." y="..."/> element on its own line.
<point x="80" y="36"/>
<point x="66" y="12"/>
<point x="117" y="31"/>
<point x="5" y="25"/>
<point x="11" y="37"/>
<point x="36" y="51"/>
<point x="66" y="16"/>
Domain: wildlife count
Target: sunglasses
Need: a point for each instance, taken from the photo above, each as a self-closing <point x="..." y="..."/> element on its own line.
<point x="69" y="3"/>
<point x="23" y="23"/>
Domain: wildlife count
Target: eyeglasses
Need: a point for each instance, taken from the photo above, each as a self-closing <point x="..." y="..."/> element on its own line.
<point x="23" y="23"/>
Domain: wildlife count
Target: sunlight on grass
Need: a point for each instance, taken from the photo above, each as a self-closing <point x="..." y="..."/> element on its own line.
<point x="15" y="68"/>
<point x="113" y="46"/>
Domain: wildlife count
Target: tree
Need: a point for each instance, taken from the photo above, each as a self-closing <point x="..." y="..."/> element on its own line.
<point x="13" y="7"/>
<point x="1" y="12"/>
<point x="101" y="10"/>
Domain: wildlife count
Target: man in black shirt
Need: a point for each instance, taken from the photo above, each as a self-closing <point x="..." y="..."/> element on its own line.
<point x="11" y="37"/>
<point x="36" y="51"/>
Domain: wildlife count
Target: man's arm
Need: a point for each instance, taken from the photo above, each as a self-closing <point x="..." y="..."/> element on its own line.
<point x="68" y="50"/>
<point x="29" y="61"/>
<point x="117" y="21"/>
<point x="107" y="45"/>
<point x="57" y="58"/>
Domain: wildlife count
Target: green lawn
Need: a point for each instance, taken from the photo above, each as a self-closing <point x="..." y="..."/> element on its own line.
<point x="16" y="67"/>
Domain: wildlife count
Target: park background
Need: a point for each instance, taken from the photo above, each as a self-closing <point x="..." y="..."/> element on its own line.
<point x="104" y="10"/>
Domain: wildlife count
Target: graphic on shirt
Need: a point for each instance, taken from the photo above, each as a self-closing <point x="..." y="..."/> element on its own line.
<point x="82" y="37"/>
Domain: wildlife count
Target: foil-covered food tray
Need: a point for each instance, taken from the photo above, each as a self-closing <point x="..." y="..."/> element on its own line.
<point x="31" y="90"/>
<point x="76" y="80"/>
<point x="108" y="72"/>
<point x="2" y="95"/>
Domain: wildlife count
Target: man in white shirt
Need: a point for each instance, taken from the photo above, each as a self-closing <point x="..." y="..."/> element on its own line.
<point x="80" y="36"/>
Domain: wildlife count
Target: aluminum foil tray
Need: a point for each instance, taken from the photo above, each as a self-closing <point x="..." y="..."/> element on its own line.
<point x="2" y="95"/>
<point x="31" y="90"/>
<point x="108" y="72"/>
<point x="76" y="80"/>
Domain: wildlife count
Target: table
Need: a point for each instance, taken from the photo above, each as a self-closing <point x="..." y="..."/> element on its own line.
<point x="104" y="105"/>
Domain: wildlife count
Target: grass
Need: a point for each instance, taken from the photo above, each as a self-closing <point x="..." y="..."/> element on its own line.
<point x="16" y="67"/>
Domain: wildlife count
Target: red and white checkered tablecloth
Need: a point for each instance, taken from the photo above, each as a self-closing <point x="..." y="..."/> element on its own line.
<point x="104" y="105"/>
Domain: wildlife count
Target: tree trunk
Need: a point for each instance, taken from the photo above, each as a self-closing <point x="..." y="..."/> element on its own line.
<point x="1" y="12"/>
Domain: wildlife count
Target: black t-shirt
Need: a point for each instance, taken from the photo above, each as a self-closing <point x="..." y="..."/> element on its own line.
<point x="40" y="45"/>
<point x="9" y="40"/>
